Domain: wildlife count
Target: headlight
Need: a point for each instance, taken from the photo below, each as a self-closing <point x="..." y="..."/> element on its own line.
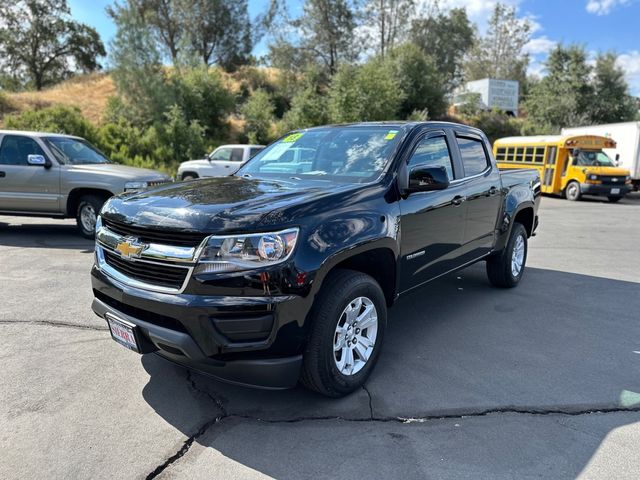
<point x="235" y="253"/>
<point x="592" y="177"/>
<point x="133" y="186"/>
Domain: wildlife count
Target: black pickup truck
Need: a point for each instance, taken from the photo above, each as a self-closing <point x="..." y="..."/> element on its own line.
<point x="284" y="271"/>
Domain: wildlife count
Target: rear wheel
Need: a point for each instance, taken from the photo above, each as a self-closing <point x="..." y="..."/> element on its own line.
<point x="189" y="176"/>
<point x="572" y="192"/>
<point x="614" y="199"/>
<point x="88" y="208"/>
<point x="348" y="324"/>
<point x="506" y="269"/>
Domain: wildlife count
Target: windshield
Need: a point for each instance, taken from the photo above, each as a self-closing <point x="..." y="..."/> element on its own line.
<point x="337" y="154"/>
<point x="72" y="151"/>
<point x="592" y="158"/>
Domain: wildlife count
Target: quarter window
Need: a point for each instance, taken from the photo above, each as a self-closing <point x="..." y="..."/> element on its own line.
<point x="434" y="152"/>
<point x="16" y="149"/>
<point x="474" y="157"/>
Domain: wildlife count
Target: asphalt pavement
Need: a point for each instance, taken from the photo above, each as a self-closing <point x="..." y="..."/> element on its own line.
<point x="474" y="382"/>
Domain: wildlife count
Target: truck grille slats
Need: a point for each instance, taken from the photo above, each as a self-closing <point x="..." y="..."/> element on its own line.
<point x="151" y="273"/>
<point x="165" y="237"/>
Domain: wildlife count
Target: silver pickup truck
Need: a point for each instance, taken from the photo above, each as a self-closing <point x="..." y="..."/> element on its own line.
<point x="61" y="176"/>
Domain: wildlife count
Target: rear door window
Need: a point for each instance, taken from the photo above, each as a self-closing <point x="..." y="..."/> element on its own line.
<point x="474" y="156"/>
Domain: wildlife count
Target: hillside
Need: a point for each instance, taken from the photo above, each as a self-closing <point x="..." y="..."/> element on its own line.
<point x="87" y="92"/>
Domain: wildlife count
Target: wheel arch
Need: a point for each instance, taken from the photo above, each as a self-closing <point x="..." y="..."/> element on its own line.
<point x="74" y="196"/>
<point x="377" y="259"/>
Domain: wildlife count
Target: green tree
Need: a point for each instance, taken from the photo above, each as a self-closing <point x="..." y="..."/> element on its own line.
<point x="327" y="32"/>
<point x="137" y="68"/>
<point x="565" y="96"/>
<point x="258" y="113"/>
<point x="40" y="41"/>
<point x="365" y="93"/>
<point x="500" y="53"/>
<point x="389" y="21"/>
<point x="447" y="37"/>
<point x="612" y="101"/>
<point x="308" y="105"/>
<point x="419" y="79"/>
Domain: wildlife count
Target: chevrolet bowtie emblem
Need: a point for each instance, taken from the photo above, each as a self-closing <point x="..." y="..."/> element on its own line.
<point x="131" y="247"/>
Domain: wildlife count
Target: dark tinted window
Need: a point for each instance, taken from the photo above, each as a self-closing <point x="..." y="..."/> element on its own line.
<point x="15" y="150"/>
<point x="433" y="152"/>
<point x="473" y="155"/>
<point x="236" y="155"/>
<point x="253" y="151"/>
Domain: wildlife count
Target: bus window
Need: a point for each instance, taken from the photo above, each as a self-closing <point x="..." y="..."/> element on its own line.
<point x="528" y="155"/>
<point x="539" y="158"/>
<point x="501" y="154"/>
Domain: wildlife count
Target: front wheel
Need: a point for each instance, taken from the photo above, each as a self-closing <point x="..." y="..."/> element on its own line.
<point x="348" y="322"/>
<point x="506" y="269"/>
<point x="88" y="208"/>
<point x="572" y="192"/>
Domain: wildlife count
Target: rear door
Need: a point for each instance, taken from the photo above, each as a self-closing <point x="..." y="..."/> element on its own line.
<point x="432" y="229"/>
<point x="483" y="193"/>
<point x="23" y="187"/>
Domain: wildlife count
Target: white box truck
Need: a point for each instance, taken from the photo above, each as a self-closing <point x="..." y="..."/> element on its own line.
<point x="627" y="151"/>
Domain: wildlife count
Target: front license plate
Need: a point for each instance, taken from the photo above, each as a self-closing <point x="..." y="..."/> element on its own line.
<point x="122" y="332"/>
<point x="615" y="191"/>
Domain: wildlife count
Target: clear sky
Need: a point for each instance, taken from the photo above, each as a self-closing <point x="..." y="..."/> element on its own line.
<point x="596" y="24"/>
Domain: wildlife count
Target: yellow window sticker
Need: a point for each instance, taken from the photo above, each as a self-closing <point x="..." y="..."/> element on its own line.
<point x="292" y="138"/>
<point x="391" y="134"/>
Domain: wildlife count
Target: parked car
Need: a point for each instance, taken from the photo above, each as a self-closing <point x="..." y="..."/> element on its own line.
<point x="222" y="162"/>
<point x="61" y="176"/>
<point x="279" y="274"/>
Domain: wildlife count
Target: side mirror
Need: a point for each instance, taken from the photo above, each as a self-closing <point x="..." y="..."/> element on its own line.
<point x="425" y="179"/>
<point x="38" y="160"/>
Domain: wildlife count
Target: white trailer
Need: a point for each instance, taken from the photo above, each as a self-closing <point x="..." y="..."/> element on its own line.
<point x="494" y="93"/>
<point x="627" y="151"/>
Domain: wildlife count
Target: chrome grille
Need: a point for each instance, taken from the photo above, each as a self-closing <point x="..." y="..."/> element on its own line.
<point x="161" y="236"/>
<point x="169" y="276"/>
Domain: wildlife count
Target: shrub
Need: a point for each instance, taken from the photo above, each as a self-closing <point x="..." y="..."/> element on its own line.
<point x="56" y="119"/>
<point x="6" y="105"/>
<point x="258" y="113"/>
<point x="308" y="109"/>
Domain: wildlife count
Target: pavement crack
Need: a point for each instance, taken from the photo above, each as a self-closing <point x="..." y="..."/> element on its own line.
<point x="218" y="402"/>
<point x="50" y="323"/>
<point x="184" y="449"/>
<point x="370" y="402"/>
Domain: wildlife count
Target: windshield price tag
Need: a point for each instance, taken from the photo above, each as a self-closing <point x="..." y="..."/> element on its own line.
<point x="292" y="138"/>
<point x="391" y="135"/>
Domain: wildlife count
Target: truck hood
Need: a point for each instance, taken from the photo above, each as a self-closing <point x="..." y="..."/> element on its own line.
<point x="120" y="171"/>
<point x="215" y="205"/>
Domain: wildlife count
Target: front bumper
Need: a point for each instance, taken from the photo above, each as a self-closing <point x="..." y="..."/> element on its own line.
<point x="252" y="341"/>
<point x="591" y="189"/>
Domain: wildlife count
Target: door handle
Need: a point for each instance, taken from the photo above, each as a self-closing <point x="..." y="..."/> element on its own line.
<point x="226" y="166"/>
<point x="457" y="201"/>
<point x="3" y="174"/>
<point x="493" y="191"/>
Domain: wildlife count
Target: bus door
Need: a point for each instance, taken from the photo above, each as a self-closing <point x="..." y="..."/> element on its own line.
<point x="549" y="169"/>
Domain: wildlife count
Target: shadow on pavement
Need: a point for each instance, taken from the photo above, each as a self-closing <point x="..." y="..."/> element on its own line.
<point x="45" y="235"/>
<point x="560" y="342"/>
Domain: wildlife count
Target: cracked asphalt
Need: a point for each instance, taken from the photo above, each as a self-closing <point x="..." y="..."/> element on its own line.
<point x="474" y="382"/>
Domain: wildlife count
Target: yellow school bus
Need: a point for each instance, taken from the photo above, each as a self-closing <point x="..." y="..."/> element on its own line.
<point x="571" y="166"/>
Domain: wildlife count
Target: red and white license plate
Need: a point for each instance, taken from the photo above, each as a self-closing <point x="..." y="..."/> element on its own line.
<point x="122" y="332"/>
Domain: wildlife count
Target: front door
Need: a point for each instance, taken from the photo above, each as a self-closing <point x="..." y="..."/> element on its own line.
<point x="432" y="228"/>
<point x="225" y="161"/>
<point x="23" y="187"/>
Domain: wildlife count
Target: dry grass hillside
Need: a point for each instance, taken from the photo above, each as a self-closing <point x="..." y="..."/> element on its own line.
<point x="87" y="92"/>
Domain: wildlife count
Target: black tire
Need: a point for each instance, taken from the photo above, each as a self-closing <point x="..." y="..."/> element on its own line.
<point x="499" y="268"/>
<point x="90" y="203"/>
<point x="189" y="176"/>
<point x="614" y="199"/>
<point x="320" y="371"/>
<point x="572" y="191"/>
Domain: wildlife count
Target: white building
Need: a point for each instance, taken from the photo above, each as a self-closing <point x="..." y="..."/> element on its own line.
<point x="500" y="94"/>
